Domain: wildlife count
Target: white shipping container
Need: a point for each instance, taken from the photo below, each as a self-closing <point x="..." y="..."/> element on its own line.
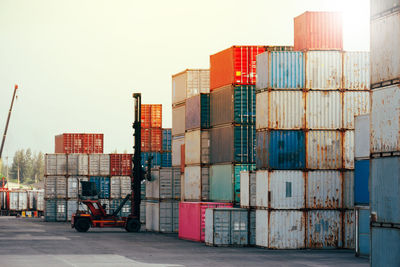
<point x="196" y="183"/>
<point x="354" y="104"/>
<point x="323" y="70"/>
<point x="286" y="109"/>
<point x="72" y="207"/>
<point x="262" y="189"/>
<point x="286" y="189"/>
<point x="162" y="216"/>
<point x="176" y="150"/>
<point x="262" y="71"/>
<point x="324" y="150"/>
<point x="99" y="164"/>
<point x="115" y="187"/>
<point x="40" y="200"/>
<point x="287" y="229"/>
<point x="55" y="187"/>
<point x="189" y="83"/>
<point x="324" y="190"/>
<point x="13" y="198"/>
<point x="262" y="110"/>
<point x="348" y="189"/>
<point x="75" y="186"/>
<point x="197" y="147"/>
<point x="22" y="200"/>
<point x="356" y="74"/>
<point x="126" y="187"/>
<point x="178" y="120"/>
<point x="324" y="110"/>
<point x="78" y="164"/>
<point x="163" y="184"/>
<point x="262" y="229"/>
<point x="55" y="164"/>
<point x="245" y="189"/>
<point x="361" y="136"/>
<point x="385" y="119"/>
<point x="348" y="150"/>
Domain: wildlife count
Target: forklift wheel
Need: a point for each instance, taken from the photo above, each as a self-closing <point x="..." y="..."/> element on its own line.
<point x="133" y="226"/>
<point x="82" y="225"/>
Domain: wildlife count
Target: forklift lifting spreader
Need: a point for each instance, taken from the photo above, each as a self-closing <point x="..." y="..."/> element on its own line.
<point x="97" y="216"/>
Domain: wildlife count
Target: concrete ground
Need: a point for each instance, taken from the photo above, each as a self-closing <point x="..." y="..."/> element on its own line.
<point x="32" y="242"/>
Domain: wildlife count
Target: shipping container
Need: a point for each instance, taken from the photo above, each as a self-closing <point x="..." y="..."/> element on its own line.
<point x="385" y="119"/>
<point x="78" y="164"/>
<point x="102" y="186"/>
<point x="4" y="199"/>
<point x="156" y="160"/>
<point x="233" y="104"/>
<point x="225" y="182"/>
<point x="164" y="184"/>
<point x="324" y="110"/>
<point x="55" y="164"/>
<point x="235" y="65"/>
<point x="280" y="70"/>
<point x="324" y="190"/>
<point x="363" y="235"/>
<point x="178" y="120"/>
<point x="385" y="57"/>
<point x="324" y="70"/>
<point x="349" y="226"/>
<point x="354" y="104"/>
<point x="120" y="164"/>
<point x="287" y="229"/>
<point x="188" y="83"/>
<point x="31" y="200"/>
<point x="381" y="8"/>
<point x="192" y="219"/>
<point x="252" y="227"/>
<point x="356" y="74"/>
<point x="143" y="212"/>
<point x="324" y="229"/>
<point x="324" y="150"/>
<point x="74" y="188"/>
<point x="361" y="182"/>
<point x="79" y="143"/>
<point x="183" y="156"/>
<point x="362" y="136"/>
<point x="348" y="189"/>
<point x="227" y="227"/>
<point x="166" y="159"/>
<point x="55" y="187"/>
<point x="72" y="207"/>
<point x="197" y="112"/>
<point x="120" y="186"/>
<point x="318" y="31"/>
<point x="13" y="200"/>
<point x="18" y="200"/>
<point x="196" y="183"/>
<point x="99" y="164"/>
<point x="162" y="216"/>
<point x="262" y="110"/>
<point x="385" y="246"/>
<point x="285" y="150"/>
<point x="104" y="203"/>
<point x="151" y="115"/>
<point x="286" y="190"/>
<point x="248" y="189"/>
<point x="262" y="228"/>
<point x="151" y="139"/>
<point x="236" y="144"/>
<point x="385" y="189"/>
<point x="197" y="147"/>
<point x="166" y="140"/>
<point x="262" y="189"/>
<point x="56" y="210"/>
<point x="176" y="150"/>
<point x="348" y="149"/>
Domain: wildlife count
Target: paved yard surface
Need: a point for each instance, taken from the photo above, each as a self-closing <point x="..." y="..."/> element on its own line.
<point x="32" y="242"/>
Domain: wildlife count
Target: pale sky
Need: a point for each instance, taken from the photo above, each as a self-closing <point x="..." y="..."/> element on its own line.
<point x="77" y="62"/>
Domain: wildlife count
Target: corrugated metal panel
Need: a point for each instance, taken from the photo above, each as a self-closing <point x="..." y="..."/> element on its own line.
<point x="13" y="200"/>
<point x="205" y="183"/>
<point x="287" y="229"/>
<point x="55" y="164"/>
<point x="262" y="153"/>
<point x="162" y="185"/>
<point x="385" y="119"/>
<point x="252" y="227"/>
<point x="237" y="170"/>
<point x="178" y="120"/>
<point x="286" y="70"/>
<point x="262" y="117"/>
<point x="354" y="104"/>
<point x="324" y="150"/>
<point x="226" y="227"/>
<point x="166" y="139"/>
<point x="55" y="187"/>
<point x="348" y="150"/>
<point x="262" y="228"/>
<point x="244" y="188"/>
<point x="349" y="227"/>
<point x="197" y="148"/>
<point x="356" y="67"/>
<point x="61" y="210"/>
<point x="221" y="183"/>
<point x="363" y="236"/>
<point x="99" y="164"/>
<point x="324" y="190"/>
<point x="385" y="246"/>
<point x="22" y="200"/>
<point x="72" y="207"/>
<point x="74" y="186"/>
<point x="102" y="185"/>
<point x="198" y="81"/>
<point x="385" y="189"/>
<point x="361" y="182"/>
<point x="324" y="110"/>
<point x="198" y="112"/>
<point x="287" y="190"/>
<point x="78" y="164"/>
<point x="324" y="229"/>
<point x="179" y="84"/>
<point x="262" y="189"/>
<point x="192" y="183"/>
<point x="380" y="8"/>
<point x="385" y="57"/>
<point x="348" y="189"/>
<point x="153" y="216"/>
<point x="362" y="136"/>
<point x="176" y="150"/>
<point x="323" y="70"/>
<point x="286" y="110"/>
<point x="262" y="71"/>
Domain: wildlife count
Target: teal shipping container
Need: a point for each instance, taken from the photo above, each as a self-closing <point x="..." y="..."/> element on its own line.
<point x="166" y="139"/>
<point x="385" y="246"/>
<point x="56" y="210"/>
<point x="363" y="231"/>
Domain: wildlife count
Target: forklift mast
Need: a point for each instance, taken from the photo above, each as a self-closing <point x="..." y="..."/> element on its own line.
<point x="137" y="170"/>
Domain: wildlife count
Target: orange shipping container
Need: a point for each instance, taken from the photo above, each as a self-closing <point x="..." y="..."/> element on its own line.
<point x="318" y="31"/>
<point x="151" y="115"/>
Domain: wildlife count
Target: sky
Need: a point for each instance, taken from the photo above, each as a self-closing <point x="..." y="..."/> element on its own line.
<point x="77" y="62"/>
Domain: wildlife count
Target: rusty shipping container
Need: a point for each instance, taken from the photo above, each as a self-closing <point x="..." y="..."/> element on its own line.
<point x="356" y="74"/>
<point x="189" y="83"/>
<point x="287" y="229"/>
<point x="324" y="190"/>
<point x="318" y="31"/>
<point x="324" y="229"/>
<point x="354" y="104"/>
<point x="286" y="189"/>
<point x="324" y="70"/>
<point x="324" y="150"/>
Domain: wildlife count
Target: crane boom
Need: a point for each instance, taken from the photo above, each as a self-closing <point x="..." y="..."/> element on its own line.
<point x="8" y="121"/>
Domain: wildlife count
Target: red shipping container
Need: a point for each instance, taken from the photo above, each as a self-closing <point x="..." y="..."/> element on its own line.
<point x="151" y="115"/>
<point x="146" y="140"/>
<point x="183" y="158"/>
<point x="318" y="31"/>
<point x="192" y="219"/>
<point x="235" y="65"/>
<point x="145" y="115"/>
<point x="151" y="139"/>
<point x="121" y="164"/>
<point x="79" y="143"/>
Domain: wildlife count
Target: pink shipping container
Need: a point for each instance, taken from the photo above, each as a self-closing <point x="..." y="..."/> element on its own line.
<point x="192" y="219"/>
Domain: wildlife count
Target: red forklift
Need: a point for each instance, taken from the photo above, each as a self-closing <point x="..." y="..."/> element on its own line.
<point x="96" y="215"/>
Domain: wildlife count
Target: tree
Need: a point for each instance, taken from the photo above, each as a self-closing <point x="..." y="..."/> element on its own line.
<point x="29" y="166"/>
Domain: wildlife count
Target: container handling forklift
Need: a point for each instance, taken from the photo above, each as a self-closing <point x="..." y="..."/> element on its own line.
<point x="96" y="215"/>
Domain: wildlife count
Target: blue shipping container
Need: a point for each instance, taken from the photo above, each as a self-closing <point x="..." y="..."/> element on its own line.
<point x="244" y="144"/>
<point x="102" y="186"/>
<point x="155" y="162"/>
<point x="237" y="170"/>
<point x="385" y="247"/>
<point x="287" y="70"/>
<point x="281" y="150"/>
<point x="361" y="180"/>
<point x="385" y="189"/>
<point x="166" y="159"/>
<point x="166" y="140"/>
<point x="363" y="232"/>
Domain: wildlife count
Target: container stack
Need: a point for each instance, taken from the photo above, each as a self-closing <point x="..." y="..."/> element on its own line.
<point x="306" y="102"/>
<point x="385" y="133"/>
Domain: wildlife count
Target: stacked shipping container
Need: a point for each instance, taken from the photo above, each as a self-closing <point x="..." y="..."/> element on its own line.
<point x="20" y="201"/>
<point x="385" y="133"/>
<point x="306" y="102"/>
